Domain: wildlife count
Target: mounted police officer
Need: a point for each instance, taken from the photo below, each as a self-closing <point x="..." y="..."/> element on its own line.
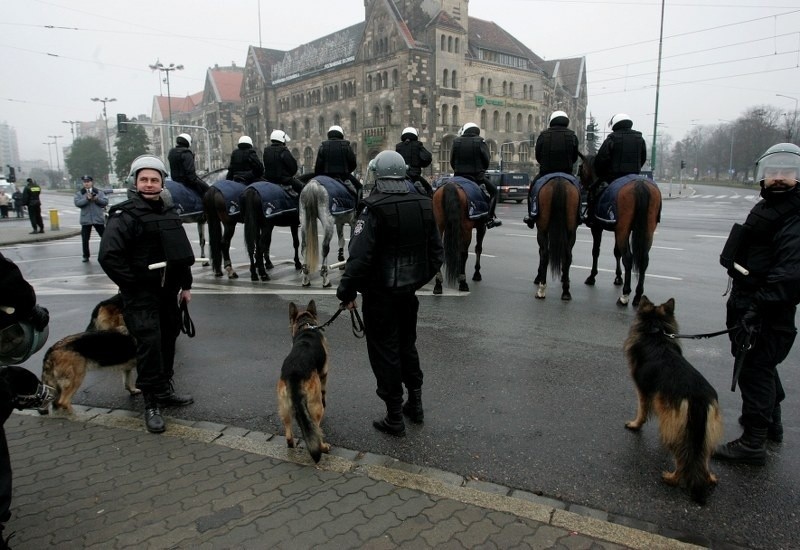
<point x="143" y="231"/>
<point x="470" y="159"/>
<point x="182" y="167"/>
<point x="762" y="304"/>
<point x="622" y="153"/>
<point x="416" y="156"/>
<point x="336" y="159"/>
<point x="280" y="166"/>
<point x="245" y="166"/>
<point x="395" y="249"/>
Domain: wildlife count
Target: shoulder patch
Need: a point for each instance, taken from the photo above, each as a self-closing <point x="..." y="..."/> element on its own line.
<point x="359" y="227"/>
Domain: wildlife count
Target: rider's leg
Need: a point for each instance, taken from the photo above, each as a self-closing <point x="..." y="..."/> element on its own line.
<point x="426" y="185"/>
<point x="493" y="221"/>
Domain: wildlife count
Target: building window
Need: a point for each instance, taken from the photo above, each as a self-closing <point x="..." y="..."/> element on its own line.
<point x="385" y="79"/>
<point x="294" y="128"/>
<point x="308" y="159"/>
<point x="530" y="124"/>
<point x="337" y="119"/>
<point x="507" y="152"/>
<point x="455" y="115"/>
<point x="483" y="119"/>
<point x="387" y="115"/>
<point x="496" y="121"/>
<point x="508" y="122"/>
<point x="456" y="47"/>
<point x="353" y="122"/>
<point x="519" y="123"/>
<point x="307" y="128"/>
<point x="489" y="86"/>
<point x="376" y="116"/>
<point x="394" y="78"/>
<point x="524" y="91"/>
<point x="524" y="151"/>
<point x="505" y="88"/>
<point x="511" y="89"/>
<point x="369" y="83"/>
<point x="321" y="125"/>
<point x="444" y="155"/>
<point x="445" y="78"/>
<point x="449" y="43"/>
<point x="444" y="41"/>
<point x="483" y="84"/>
<point x="454" y="80"/>
<point x="443" y="119"/>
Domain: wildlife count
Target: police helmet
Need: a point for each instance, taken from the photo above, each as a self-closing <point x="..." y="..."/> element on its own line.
<point x="245" y="139"/>
<point x="467" y="126"/>
<point x="185" y="137"/>
<point x="389" y="165"/>
<point x="335" y="131"/>
<point x="19" y="341"/>
<point x="279" y="135"/>
<point x="559" y="118"/>
<point x="780" y="156"/>
<point x="146" y="161"/>
<point x="620" y="121"/>
<point x="409" y="133"/>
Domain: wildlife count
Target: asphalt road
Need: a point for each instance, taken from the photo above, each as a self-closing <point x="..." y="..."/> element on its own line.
<point x="528" y="393"/>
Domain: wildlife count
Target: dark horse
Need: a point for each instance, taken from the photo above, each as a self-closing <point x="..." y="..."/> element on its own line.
<point x="266" y="205"/>
<point x="455" y="227"/>
<point x="221" y="206"/>
<point x="638" y="213"/>
<point x="556" y="229"/>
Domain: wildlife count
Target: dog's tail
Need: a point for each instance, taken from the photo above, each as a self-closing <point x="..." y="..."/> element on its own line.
<point x="303" y="390"/>
<point x="703" y="431"/>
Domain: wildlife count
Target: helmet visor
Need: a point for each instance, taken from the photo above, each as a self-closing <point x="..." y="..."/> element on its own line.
<point x="781" y="165"/>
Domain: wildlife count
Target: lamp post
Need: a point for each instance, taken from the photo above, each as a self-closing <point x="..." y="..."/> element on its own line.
<point x="794" y="116"/>
<point x="104" y="101"/>
<point x="72" y="124"/>
<point x="167" y="69"/>
<point x="58" y="162"/>
<point x="733" y="132"/>
<point x="49" y="153"/>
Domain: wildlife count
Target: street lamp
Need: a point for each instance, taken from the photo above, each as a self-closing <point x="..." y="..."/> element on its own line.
<point x="108" y="140"/>
<point x="733" y="132"/>
<point x="794" y="116"/>
<point x="49" y="153"/>
<point x="167" y="69"/>
<point x="58" y="162"/>
<point x="72" y="124"/>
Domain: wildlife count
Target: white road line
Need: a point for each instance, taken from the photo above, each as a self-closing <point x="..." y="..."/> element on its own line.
<point x="713" y="236"/>
<point x="633" y="276"/>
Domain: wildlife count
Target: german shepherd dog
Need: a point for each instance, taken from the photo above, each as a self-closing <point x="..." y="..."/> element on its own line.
<point x="301" y="388"/>
<point x="666" y="383"/>
<point x="107" y="315"/>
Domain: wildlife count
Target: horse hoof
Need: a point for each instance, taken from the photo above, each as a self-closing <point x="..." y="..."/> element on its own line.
<point x="437" y="289"/>
<point x="270" y="265"/>
<point x="326" y="284"/>
<point x="254" y="277"/>
<point x="636" y="301"/>
<point x="463" y="286"/>
<point x="589" y="281"/>
<point x="298" y="266"/>
<point x="618" y="281"/>
<point x="622" y="301"/>
<point x="477" y="276"/>
<point x="566" y="296"/>
<point x="218" y="274"/>
<point x="206" y="264"/>
<point x="307" y="284"/>
<point x="233" y="275"/>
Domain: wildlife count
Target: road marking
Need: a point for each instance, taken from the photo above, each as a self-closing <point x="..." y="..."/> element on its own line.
<point x="648" y="274"/>
<point x="713" y="236"/>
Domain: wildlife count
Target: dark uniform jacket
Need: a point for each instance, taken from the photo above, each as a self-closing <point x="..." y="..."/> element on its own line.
<point x="245" y="164"/>
<point x="139" y="233"/>
<point x="280" y="166"/>
<point x="182" y="167"/>
<point x="335" y="159"/>
<point x="416" y="156"/>
<point x="470" y="156"/>
<point x="623" y="152"/>
<point x="556" y="150"/>
<point x="30" y="195"/>
<point x="395" y="246"/>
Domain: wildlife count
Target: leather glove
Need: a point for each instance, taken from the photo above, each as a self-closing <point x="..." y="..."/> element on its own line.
<point x="750" y="321"/>
<point x="40" y="317"/>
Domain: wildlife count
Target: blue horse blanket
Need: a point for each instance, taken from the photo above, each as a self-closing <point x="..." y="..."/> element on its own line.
<point x="186" y="201"/>
<point x="477" y="204"/>
<point x="533" y="194"/>
<point x="341" y="200"/>
<point x="274" y="199"/>
<point x="231" y="191"/>
<point x="606" y="210"/>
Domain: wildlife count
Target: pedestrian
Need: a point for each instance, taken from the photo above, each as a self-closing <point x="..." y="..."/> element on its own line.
<point x="280" y="166"/>
<point x="395" y="250"/>
<point x="416" y="156"/>
<point x="92" y="202"/>
<point x="245" y="166"/>
<point x="762" y="304"/>
<point x="17" y="198"/>
<point x="31" y="199"/>
<point x="470" y="159"/>
<point x="140" y="232"/>
<point x="23" y="331"/>
<point x="336" y="159"/>
<point x="182" y="167"/>
<point x="4" y="200"/>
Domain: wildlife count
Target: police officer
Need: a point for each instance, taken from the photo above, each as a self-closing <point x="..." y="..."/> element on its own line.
<point x="622" y="153"/>
<point x="92" y="202"/>
<point x="143" y="231"/>
<point x="245" y="166"/>
<point x="470" y="159"/>
<point x="762" y="305"/>
<point x="416" y="156"/>
<point x="336" y="159"/>
<point x="182" y="167"/>
<point x="30" y="198"/>
<point x="280" y="166"/>
<point x="394" y="251"/>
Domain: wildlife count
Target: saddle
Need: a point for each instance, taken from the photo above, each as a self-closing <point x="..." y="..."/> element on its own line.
<point x="606" y="209"/>
<point x="477" y="203"/>
<point x="341" y="200"/>
<point x="187" y="202"/>
<point x="275" y="200"/>
<point x="533" y="194"/>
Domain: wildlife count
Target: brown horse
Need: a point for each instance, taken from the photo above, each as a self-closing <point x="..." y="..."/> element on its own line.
<point x="455" y="227"/>
<point x="638" y="213"/>
<point x="221" y="222"/>
<point x="556" y="228"/>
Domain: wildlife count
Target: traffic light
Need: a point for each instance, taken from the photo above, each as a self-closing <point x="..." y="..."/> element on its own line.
<point x="122" y="123"/>
<point x="590" y="132"/>
<point x="12" y="174"/>
<point x="683" y="164"/>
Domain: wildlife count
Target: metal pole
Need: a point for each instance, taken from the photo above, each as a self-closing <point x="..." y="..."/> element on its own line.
<point x="49" y="153"/>
<point x="172" y="67"/>
<point x="658" y="87"/>
<point x="58" y="162"/>
<point x="730" y="164"/>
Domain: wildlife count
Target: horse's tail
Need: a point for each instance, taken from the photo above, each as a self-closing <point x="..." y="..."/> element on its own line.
<point x="250" y="206"/>
<point x="640" y="236"/>
<point x="558" y="228"/>
<point x="452" y="239"/>
<point x="214" y="226"/>
<point x="309" y="212"/>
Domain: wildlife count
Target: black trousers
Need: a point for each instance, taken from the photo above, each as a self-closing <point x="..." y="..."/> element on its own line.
<point x="152" y="319"/>
<point x="390" y="322"/>
<point x="5" y="480"/>
<point x="35" y="215"/>
<point x="86" y="231"/>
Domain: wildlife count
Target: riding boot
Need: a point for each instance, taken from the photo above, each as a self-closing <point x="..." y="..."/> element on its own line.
<point x="392" y="423"/>
<point x="493" y="221"/>
<point x="751" y="448"/>
<point x="153" y="420"/>
<point x="413" y="406"/>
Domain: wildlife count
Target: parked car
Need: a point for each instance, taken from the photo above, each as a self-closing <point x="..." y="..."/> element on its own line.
<point x="510" y="185"/>
<point x="114" y="196"/>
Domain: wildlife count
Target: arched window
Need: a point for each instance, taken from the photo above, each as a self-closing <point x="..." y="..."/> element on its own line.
<point x="394" y="78"/>
<point x="306" y="128"/>
<point x="321" y="126"/>
<point x="507" y="152"/>
<point x="353" y="122"/>
<point x="378" y="81"/>
<point x="385" y="79"/>
<point x="444" y="154"/>
<point x="455" y="115"/>
<point x="454" y="80"/>
<point x="456" y="46"/>
<point x="308" y="159"/>
<point x="449" y="43"/>
<point x="444" y="42"/>
<point x="508" y="122"/>
<point x="530" y="124"/>
<point x="337" y="119"/>
<point x="505" y="88"/>
<point x="369" y="83"/>
<point x="483" y="119"/>
<point x="387" y="115"/>
<point x="294" y="128"/>
<point x="519" y="123"/>
<point x="483" y="84"/>
<point x="524" y="91"/>
<point x="524" y="151"/>
<point x="511" y="89"/>
<point x="445" y="111"/>
<point x="496" y="121"/>
<point x="376" y="116"/>
<point x="489" y="86"/>
<point x="445" y="78"/>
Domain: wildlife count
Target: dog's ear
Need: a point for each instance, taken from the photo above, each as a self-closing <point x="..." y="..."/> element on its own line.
<point x="312" y="308"/>
<point x="669" y="306"/>
<point x="292" y="312"/>
<point x="645" y="304"/>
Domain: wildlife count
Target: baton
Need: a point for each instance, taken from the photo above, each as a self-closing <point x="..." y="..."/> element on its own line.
<point x="741" y="269"/>
<point x="159" y="265"/>
<point x="739" y="361"/>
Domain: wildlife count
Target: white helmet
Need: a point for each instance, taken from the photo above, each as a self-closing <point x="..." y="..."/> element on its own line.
<point x="147" y="161"/>
<point x="335" y="129"/>
<point x="187" y="137"/>
<point x="279" y="135"/>
<point x="557" y="114"/>
<point x="410" y="130"/>
<point x="245" y="139"/>
<point x="466" y="127"/>
<point x="619" y="117"/>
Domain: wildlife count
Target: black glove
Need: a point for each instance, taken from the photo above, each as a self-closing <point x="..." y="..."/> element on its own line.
<point x="40" y="317"/>
<point x="750" y="321"/>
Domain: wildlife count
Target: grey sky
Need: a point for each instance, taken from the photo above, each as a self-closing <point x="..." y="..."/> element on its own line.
<point x="719" y="57"/>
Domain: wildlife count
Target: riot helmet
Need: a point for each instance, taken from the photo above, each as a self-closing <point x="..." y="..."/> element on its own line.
<point x="184" y="137"/>
<point x="279" y="136"/>
<point x="620" y="121"/>
<point x="783" y="157"/>
<point x="468" y="126"/>
<point x="389" y="165"/>
<point x="246" y="140"/>
<point x="409" y="133"/>
<point x="559" y="118"/>
<point x="147" y="161"/>
<point x="335" y="132"/>
<point x="19" y="341"/>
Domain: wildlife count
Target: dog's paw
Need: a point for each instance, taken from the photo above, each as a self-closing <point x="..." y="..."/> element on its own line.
<point x="290" y="442"/>
<point x="633" y="425"/>
<point x="134" y="391"/>
<point x="325" y="447"/>
<point x="712" y="479"/>
<point x="670" y="478"/>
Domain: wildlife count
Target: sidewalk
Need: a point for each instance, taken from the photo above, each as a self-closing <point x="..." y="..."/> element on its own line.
<point x="99" y="480"/>
<point x="17" y="231"/>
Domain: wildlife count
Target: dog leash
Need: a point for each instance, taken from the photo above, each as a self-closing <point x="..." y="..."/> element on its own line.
<point x="672" y="336"/>
<point x="186" y="324"/>
<point x="356" y="323"/>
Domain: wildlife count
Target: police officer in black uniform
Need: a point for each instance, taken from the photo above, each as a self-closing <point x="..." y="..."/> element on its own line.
<point x="143" y="231"/>
<point x="245" y="166"/>
<point x="762" y="304"/>
<point x="622" y="153"/>
<point x="470" y="159"/>
<point x="280" y="166"/>
<point x="394" y="251"/>
<point x="182" y="167"/>
<point x="30" y="198"/>
<point x="416" y="156"/>
<point x="336" y="159"/>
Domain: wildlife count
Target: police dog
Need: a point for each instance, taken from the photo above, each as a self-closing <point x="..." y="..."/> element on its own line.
<point x="107" y="315"/>
<point x="666" y="383"/>
<point x="301" y="388"/>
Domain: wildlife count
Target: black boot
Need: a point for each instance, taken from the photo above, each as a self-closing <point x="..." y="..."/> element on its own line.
<point x="169" y="398"/>
<point x="393" y="423"/>
<point x="413" y="407"/>
<point x="751" y="448"/>
<point x="775" y="428"/>
<point x="153" y="420"/>
<point x="493" y="221"/>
